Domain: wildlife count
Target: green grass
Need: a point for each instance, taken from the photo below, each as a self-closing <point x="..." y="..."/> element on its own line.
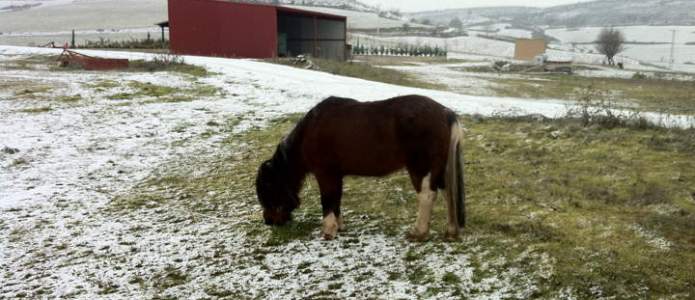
<point x="367" y="72"/>
<point x="581" y="197"/>
<point x="32" y="62"/>
<point x="658" y="95"/>
<point x="32" y="91"/>
<point x="160" y="63"/>
<point x="406" y="60"/>
<point x="160" y="93"/>
<point x="159" y="66"/>
<point x="66" y="98"/>
<point x="36" y="110"/>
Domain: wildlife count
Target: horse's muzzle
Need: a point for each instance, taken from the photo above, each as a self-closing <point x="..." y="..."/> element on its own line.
<point x="276" y="217"/>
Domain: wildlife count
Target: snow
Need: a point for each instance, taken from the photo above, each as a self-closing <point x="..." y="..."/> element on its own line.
<point x="643" y="34"/>
<point x="361" y="20"/>
<point x="56" y="139"/>
<point x="503" y="29"/>
<point x="658" y="53"/>
<point x="62" y="241"/>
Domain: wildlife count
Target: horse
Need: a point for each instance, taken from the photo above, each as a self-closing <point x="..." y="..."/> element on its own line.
<point x="344" y="137"/>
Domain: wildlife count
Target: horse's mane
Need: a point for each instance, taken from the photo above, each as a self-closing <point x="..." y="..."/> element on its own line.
<point x="290" y="142"/>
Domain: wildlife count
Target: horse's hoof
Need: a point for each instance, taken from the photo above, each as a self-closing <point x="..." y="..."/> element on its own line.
<point x="451" y="237"/>
<point x="328" y="237"/>
<point x="415" y="237"/>
<point x="341" y="225"/>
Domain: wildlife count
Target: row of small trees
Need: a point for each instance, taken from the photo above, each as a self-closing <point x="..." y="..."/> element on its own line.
<point x="403" y="50"/>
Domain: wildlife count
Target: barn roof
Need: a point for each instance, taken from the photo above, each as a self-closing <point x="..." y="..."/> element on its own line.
<point x="291" y="10"/>
<point x="310" y="12"/>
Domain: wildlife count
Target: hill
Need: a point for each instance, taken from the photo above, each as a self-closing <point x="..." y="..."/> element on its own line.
<point x="594" y="13"/>
<point x="619" y="12"/>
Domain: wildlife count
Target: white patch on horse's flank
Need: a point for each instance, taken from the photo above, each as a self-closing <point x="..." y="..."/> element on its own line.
<point x="425" y="202"/>
<point x="330" y="226"/>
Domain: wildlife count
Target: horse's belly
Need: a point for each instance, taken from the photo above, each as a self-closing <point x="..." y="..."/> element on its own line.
<point x="372" y="164"/>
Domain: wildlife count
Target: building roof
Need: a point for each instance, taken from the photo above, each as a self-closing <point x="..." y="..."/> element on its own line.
<point x="310" y="12"/>
<point x="290" y="10"/>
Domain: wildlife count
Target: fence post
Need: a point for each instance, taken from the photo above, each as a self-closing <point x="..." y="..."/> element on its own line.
<point x="72" y="44"/>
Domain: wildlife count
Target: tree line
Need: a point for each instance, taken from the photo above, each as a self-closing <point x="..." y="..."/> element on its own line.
<point x="402" y="50"/>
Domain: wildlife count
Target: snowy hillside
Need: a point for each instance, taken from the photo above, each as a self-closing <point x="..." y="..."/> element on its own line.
<point x="619" y="12"/>
<point x="650" y="44"/>
<point x="361" y="19"/>
<point x="475" y="15"/>
<point x="639" y="34"/>
<point x="54" y="20"/>
<point x="594" y="13"/>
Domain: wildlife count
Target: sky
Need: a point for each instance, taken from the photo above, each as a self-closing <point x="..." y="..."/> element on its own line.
<point x="421" y="5"/>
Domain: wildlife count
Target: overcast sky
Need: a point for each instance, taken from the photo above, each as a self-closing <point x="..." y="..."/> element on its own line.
<point x="420" y="5"/>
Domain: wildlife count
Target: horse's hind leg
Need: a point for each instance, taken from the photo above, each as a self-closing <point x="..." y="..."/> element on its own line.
<point x="331" y="192"/>
<point x="425" y="197"/>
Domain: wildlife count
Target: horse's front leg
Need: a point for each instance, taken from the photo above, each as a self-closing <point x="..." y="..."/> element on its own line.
<point x="331" y="192"/>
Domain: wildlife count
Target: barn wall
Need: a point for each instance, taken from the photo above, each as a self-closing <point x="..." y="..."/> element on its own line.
<point x="217" y="28"/>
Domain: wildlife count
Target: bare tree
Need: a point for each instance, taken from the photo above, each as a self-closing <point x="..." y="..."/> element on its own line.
<point x="610" y="43"/>
<point x="456" y="23"/>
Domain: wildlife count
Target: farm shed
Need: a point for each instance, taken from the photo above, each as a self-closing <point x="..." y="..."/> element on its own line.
<point x="232" y="29"/>
<point x="529" y="49"/>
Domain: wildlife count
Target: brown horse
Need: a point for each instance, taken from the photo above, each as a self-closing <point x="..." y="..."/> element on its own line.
<point x="342" y="137"/>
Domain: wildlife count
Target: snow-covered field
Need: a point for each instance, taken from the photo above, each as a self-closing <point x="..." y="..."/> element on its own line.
<point x="658" y="53"/>
<point x="361" y="20"/>
<point x="85" y="15"/>
<point x="74" y="157"/>
<point x="60" y="239"/>
<point x="642" y="34"/>
<point x="53" y="20"/>
<point x="487" y="49"/>
<point x="502" y="29"/>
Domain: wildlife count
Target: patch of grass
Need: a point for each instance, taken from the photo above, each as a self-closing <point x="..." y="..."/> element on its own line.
<point x="170" y="277"/>
<point x="554" y="189"/>
<point x="165" y="94"/>
<point x="73" y="98"/>
<point x="36" y="110"/>
<point x="378" y="60"/>
<point x="32" y="62"/>
<point x="577" y="198"/>
<point x="368" y="72"/>
<point x="102" y="85"/>
<point x="32" y="91"/>
<point x="658" y="95"/>
<point x="167" y="63"/>
<point x="451" y="278"/>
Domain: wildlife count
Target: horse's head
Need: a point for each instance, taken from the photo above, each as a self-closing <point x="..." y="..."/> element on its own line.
<point x="275" y="194"/>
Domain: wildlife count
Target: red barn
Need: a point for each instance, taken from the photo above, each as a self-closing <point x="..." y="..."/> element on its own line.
<point x="232" y="29"/>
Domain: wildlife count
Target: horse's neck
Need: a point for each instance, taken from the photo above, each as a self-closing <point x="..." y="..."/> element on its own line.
<point x="292" y="160"/>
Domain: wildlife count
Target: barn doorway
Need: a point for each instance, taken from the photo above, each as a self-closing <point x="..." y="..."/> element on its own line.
<point x="310" y="35"/>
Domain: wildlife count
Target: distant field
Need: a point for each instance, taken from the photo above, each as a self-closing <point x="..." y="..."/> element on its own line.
<point x="659" y="34"/>
<point x="362" y="20"/>
<point x="88" y="15"/>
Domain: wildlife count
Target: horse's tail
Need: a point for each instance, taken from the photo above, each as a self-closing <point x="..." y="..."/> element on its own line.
<point x="455" y="189"/>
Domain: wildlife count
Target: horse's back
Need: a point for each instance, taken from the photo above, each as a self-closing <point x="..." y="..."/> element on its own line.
<point x="375" y="138"/>
<point x="401" y="108"/>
